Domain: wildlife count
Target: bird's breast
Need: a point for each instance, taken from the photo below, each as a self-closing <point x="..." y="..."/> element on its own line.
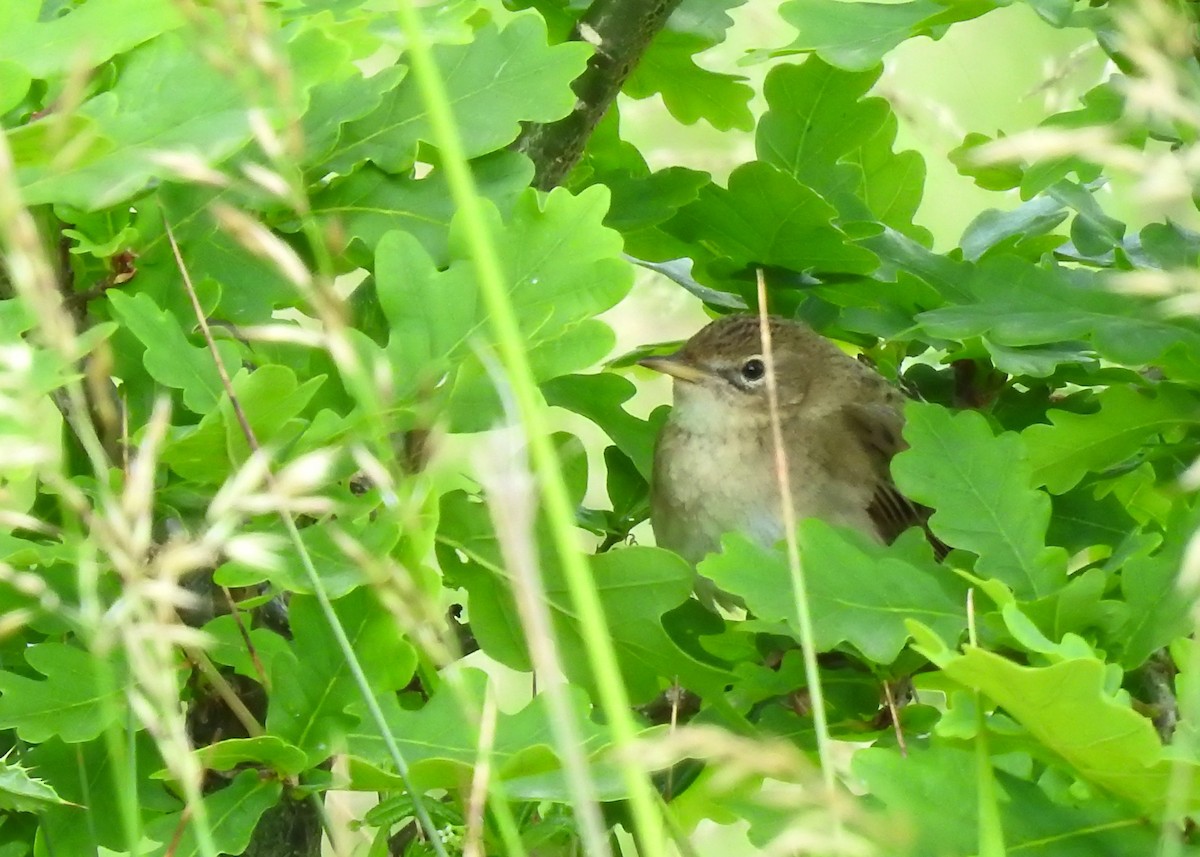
<point x="708" y="483"/>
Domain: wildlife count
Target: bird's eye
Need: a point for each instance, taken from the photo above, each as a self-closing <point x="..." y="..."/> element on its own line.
<point x="753" y="369"/>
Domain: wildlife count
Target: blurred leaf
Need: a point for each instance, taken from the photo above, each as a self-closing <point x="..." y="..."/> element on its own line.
<point x="989" y="175"/>
<point x="1103" y="106"/>
<point x="92" y="33"/>
<point x="856" y="36"/>
<point x="249" y="287"/>
<point x="203" y="113"/>
<point x="1171" y="245"/>
<point x="637" y="585"/>
<point x="334" y="102"/>
<point x="83" y="775"/>
<point x="228" y="647"/>
<point x="340" y="572"/>
<point x="978" y="485"/>
<point x="14" y="83"/>
<point x="859" y="592"/>
<point x="76" y="702"/>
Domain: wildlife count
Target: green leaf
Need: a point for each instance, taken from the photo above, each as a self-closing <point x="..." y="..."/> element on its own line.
<point x="817" y="115"/>
<point x="599" y="398"/>
<point x="642" y="200"/>
<point x="978" y="485"/>
<point x="170" y="359"/>
<point x="270" y="398"/>
<point x="636" y="585"/>
<point x="1062" y="453"/>
<point x="1067" y="709"/>
<point x="689" y="92"/>
<point x="502" y="78"/>
<point x="77" y="701"/>
<point x="440" y="741"/>
<point x="338" y="99"/>
<point x="265" y="750"/>
<point x="313" y="687"/>
<point x="21" y="792"/>
<point x="563" y="266"/>
<point x="232" y="814"/>
<point x="193" y="108"/>
<point x="228" y="646"/>
<point x="248" y="286"/>
<point x="1004" y="175"/>
<point x="91" y="34"/>
<point x="430" y="313"/>
<point x="340" y="573"/>
<point x="14" y="83"/>
<point x="766" y="217"/>
<point x="84" y="776"/>
<point x="822" y="129"/>
<point x="1035" y="823"/>
<point x="370" y="203"/>
<point x="1160" y="608"/>
<point x="856" y="36"/>
<point x="859" y="592"/>
<point x="1017" y="303"/>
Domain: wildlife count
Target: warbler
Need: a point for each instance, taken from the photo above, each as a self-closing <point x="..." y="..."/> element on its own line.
<point x="715" y="466"/>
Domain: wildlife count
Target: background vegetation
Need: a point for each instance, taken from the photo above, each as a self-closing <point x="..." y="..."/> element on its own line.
<point x="300" y="333"/>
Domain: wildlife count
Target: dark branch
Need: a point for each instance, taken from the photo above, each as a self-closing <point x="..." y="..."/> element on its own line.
<point x="620" y="31"/>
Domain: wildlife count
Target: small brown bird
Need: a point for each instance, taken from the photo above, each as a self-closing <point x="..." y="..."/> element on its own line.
<point x="714" y="466"/>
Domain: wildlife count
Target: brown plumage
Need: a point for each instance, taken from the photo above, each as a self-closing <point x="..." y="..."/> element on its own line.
<point x="714" y="467"/>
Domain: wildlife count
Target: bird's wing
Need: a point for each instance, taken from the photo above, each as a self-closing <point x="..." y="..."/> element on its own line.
<point x="878" y="427"/>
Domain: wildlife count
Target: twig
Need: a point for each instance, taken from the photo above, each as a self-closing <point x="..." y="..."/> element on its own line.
<point x="225" y="691"/>
<point x="620" y="31"/>
<point x="895" y="715"/>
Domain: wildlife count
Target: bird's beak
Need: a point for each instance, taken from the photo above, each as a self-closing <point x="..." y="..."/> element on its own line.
<point x="675" y="367"/>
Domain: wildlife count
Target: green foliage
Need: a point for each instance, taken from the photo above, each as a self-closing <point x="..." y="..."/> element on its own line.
<point x="280" y="549"/>
<point x="75" y="702"/>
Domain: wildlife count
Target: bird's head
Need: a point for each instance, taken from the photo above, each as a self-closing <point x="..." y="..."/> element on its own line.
<point x="722" y="370"/>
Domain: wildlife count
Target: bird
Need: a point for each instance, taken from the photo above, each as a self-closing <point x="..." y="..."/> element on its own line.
<point x="714" y="469"/>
